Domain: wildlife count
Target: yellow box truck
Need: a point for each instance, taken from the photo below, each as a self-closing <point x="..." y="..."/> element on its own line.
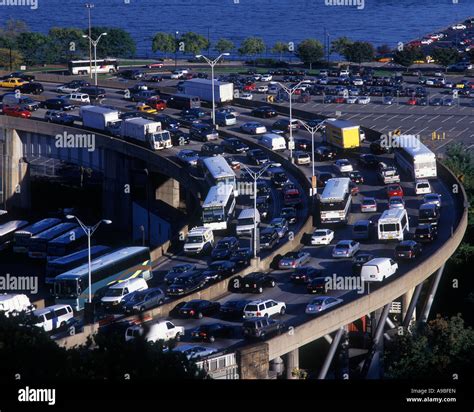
<point x="342" y="134"/>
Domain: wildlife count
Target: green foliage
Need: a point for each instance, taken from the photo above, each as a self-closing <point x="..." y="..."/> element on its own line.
<point x="164" y="42"/>
<point x="280" y="48"/>
<point x="310" y="51"/>
<point x="252" y="46"/>
<point x="408" y="55"/>
<point x="36" y="48"/>
<point x="359" y="52"/>
<point x="16" y="58"/>
<point x="384" y="49"/>
<point x="194" y="43"/>
<point x="339" y="45"/>
<point x="224" y="46"/>
<point x="445" y="55"/>
<point x="439" y="349"/>
<point x="117" y="43"/>
<point x="68" y="43"/>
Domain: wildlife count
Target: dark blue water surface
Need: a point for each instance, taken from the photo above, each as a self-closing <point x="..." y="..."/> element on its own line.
<point x="380" y="21"/>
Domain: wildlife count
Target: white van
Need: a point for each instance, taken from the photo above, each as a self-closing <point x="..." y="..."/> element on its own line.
<point x="393" y="224"/>
<point x="115" y="294"/>
<point x="12" y="304"/>
<point x="53" y="317"/>
<point x="200" y="240"/>
<point x="422" y="187"/>
<point x="378" y="269"/>
<point x="245" y="221"/>
<point x="272" y="141"/>
<point x="78" y="97"/>
<point x="164" y="330"/>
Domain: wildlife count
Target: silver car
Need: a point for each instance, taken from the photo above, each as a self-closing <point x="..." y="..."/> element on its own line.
<point x="280" y="224"/>
<point x="345" y="249"/>
<point x="321" y="303"/>
<point x="432" y="198"/>
<point x="293" y="260"/>
<point x="253" y="128"/>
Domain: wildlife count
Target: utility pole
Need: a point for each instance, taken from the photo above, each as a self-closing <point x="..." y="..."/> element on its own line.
<point x="89" y="7"/>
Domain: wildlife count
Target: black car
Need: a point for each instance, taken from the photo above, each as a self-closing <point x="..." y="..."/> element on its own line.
<point x="179" y="138"/>
<point x="359" y="260"/>
<point x="142" y="95"/>
<point x="268" y="238"/>
<point x="143" y="300"/>
<point x="234" y="145"/>
<point x="316" y="285"/>
<point x="31" y="88"/>
<point x="263" y="190"/>
<point x="368" y="161"/>
<point x="187" y="283"/>
<point x="283" y="126"/>
<point x="355" y="176"/>
<point x="93" y="92"/>
<point x="20" y="75"/>
<point x="407" y="249"/>
<point x="263" y="207"/>
<point x="379" y="147"/>
<point x="218" y="270"/>
<point x="289" y="213"/>
<point x="167" y="122"/>
<point x="212" y="331"/>
<point x="425" y="233"/>
<point x="278" y="176"/>
<point x="131" y="74"/>
<point x="198" y="308"/>
<point x="55" y="116"/>
<point x="304" y="274"/>
<point x="203" y="132"/>
<point x="261" y="327"/>
<point x="57" y="104"/>
<point x="257" y="156"/>
<point x="241" y="257"/>
<point x="255" y="282"/>
<point x="212" y="149"/>
<point x="323" y="178"/>
<point x="197" y="112"/>
<point x="178" y="270"/>
<point x="302" y="144"/>
<point x="233" y="309"/>
<point x="264" y="112"/>
<point x="225" y="248"/>
<point x="428" y="213"/>
<point x="323" y="153"/>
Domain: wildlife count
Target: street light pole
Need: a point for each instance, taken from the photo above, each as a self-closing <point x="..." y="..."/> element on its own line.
<point x="89" y="7"/>
<point x="89" y="231"/>
<point x="95" y="43"/>
<point x="290" y="91"/>
<point x="212" y="63"/>
<point x="176" y="49"/>
<point x="255" y="176"/>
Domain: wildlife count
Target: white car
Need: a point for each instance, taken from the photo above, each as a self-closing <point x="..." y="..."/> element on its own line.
<point x="422" y="187"/>
<point x="322" y="237"/>
<point x="301" y="158"/>
<point x="77" y="97"/>
<point x="195" y="352"/>
<point x="262" y="89"/>
<point x="178" y="74"/>
<point x="344" y="165"/>
<point x="246" y="96"/>
<point x="363" y="100"/>
<point x="357" y="81"/>
<point x="432" y="198"/>
<point x="321" y="303"/>
<point x="67" y="89"/>
<point x="427" y="41"/>
<point x="351" y="100"/>
<point x="459" y="27"/>
<point x="264" y="308"/>
<point x="345" y="249"/>
<point x="368" y="204"/>
<point x="396" y="202"/>
<point x="253" y="128"/>
<point x="266" y="78"/>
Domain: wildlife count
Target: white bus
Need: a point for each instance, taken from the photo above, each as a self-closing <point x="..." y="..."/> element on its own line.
<point x="393" y="224"/>
<point x="218" y="208"/>
<point x="414" y="157"/>
<point x="81" y="67"/>
<point x="335" y="201"/>
<point x="217" y="171"/>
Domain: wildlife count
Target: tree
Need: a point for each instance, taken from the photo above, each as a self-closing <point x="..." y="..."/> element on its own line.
<point x="68" y="43"/>
<point x="339" y="45"/>
<point x="408" y="55"/>
<point x="117" y="43"/>
<point x="359" y="52"/>
<point x="13" y="28"/>
<point x="384" y="49"/>
<point x="440" y="348"/>
<point x="445" y="56"/>
<point x="252" y="46"/>
<point x="194" y="43"/>
<point x="164" y="42"/>
<point x="36" y="48"/>
<point x="16" y="58"/>
<point x="224" y="46"/>
<point x="310" y="51"/>
<point x="280" y="48"/>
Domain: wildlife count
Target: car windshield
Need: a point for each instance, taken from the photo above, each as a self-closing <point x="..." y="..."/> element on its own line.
<point x="427" y="213"/>
<point x="389" y="227"/>
<point x="360" y="228"/>
<point x="368" y="202"/>
<point x="343" y="246"/>
<point x="422" y="231"/>
<point x="320" y="233"/>
<point x="114" y="292"/>
<point x="195" y="239"/>
<point x="403" y="248"/>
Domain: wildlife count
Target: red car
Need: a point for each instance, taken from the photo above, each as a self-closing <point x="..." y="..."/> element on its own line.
<point x="394" y="190"/>
<point x="17" y="112"/>
<point x="250" y="87"/>
<point x="412" y="101"/>
<point x="157" y="104"/>
<point x="339" y="99"/>
<point x="155" y="65"/>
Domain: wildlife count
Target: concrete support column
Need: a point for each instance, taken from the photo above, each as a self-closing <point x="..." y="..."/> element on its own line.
<point x="431" y="295"/>
<point x="292" y="362"/>
<point x="411" y="308"/>
<point x="406" y="299"/>
<point x="168" y="192"/>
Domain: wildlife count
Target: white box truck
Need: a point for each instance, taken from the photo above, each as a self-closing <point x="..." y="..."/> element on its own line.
<point x="146" y="132"/>
<point x="100" y="118"/>
<point x="223" y="92"/>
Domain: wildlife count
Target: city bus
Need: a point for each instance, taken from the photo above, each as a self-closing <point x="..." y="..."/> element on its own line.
<point x="21" y="238"/>
<point x="65" y="263"/>
<point x="218" y="208"/>
<point x="81" y="67"/>
<point x="66" y="243"/>
<point x="217" y="171"/>
<point x="72" y="287"/>
<point x="393" y="224"/>
<point x="7" y="231"/>
<point x="38" y="247"/>
<point x="335" y="201"/>
<point x="413" y="157"/>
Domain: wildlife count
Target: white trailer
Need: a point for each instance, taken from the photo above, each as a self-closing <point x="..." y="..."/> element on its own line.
<point x="100" y="118"/>
<point x="223" y="92"/>
<point x="146" y="132"/>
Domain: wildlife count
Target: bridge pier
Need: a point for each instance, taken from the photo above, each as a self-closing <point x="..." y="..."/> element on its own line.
<point x="329" y="357"/>
<point x="409" y="314"/>
<point x="292" y="363"/>
<point x="431" y="294"/>
<point x="168" y="192"/>
<point x="14" y="171"/>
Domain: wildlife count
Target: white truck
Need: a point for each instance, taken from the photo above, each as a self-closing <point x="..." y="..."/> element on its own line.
<point x="223" y="92"/>
<point x="146" y="132"/>
<point x="100" y="118"/>
<point x="11" y="304"/>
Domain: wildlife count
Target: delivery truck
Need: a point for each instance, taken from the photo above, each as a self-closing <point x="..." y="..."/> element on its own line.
<point x="101" y="118"/>
<point x="342" y="134"/>
<point x="146" y="132"/>
<point x="223" y="92"/>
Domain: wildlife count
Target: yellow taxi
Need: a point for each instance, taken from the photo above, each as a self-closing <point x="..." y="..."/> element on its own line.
<point x="12" y="82"/>
<point x="146" y="108"/>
